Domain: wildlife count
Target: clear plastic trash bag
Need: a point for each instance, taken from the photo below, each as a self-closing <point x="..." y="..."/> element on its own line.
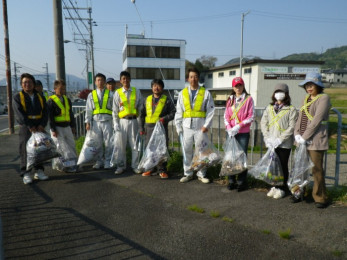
<point x="268" y="169"/>
<point x="156" y="151"/>
<point x="65" y="160"/>
<point x="40" y="148"/>
<point x="91" y="148"/>
<point x="116" y="157"/>
<point x="299" y="175"/>
<point x="235" y="159"/>
<point x="205" y="154"/>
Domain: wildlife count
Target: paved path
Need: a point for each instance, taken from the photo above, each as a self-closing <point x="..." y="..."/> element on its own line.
<point x="98" y="215"/>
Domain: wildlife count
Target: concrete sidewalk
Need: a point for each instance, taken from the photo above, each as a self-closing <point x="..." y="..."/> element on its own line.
<point x="96" y="214"/>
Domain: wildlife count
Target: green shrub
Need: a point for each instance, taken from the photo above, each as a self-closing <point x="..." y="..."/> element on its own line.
<point x="175" y="164"/>
<point x="79" y="144"/>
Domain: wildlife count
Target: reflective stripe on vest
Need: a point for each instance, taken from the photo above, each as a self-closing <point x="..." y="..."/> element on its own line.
<point x="22" y="101"/>
<point x="196" y="111"/>
<point x="236" y="111"/>
<point x="306" y="105"/>
<point x="103" y="109"/>
<point x="129" y="109"/>
<point x="277" y="117"/>
<point x="151" y="117"/>
<point x="65" y="110"/>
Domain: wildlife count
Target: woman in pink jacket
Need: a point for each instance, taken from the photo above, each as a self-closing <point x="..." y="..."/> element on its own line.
<point x="238" y="117"/>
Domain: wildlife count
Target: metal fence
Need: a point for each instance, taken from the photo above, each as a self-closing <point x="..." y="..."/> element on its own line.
<point x="218" y="136"/>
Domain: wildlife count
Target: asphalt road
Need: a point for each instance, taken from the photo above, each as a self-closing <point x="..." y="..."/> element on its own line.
<point x="98" y="215"/>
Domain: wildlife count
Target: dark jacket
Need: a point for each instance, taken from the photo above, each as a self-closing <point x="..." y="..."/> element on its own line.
<point x="54" y="110"/>
<point x="31" y="109"/>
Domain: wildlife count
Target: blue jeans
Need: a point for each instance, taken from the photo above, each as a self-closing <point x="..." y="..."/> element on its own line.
<point x="243" y="139"/>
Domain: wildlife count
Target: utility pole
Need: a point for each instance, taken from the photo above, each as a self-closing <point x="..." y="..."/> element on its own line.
<point x="87" y="66"/>
<point x="241" y="51"/>
<point x="16" y="67"/>
<point x="47" y="76"/>
<point x="59" y="40"/>
<point x="8" y="70"/>
<point x="91" y="43"/>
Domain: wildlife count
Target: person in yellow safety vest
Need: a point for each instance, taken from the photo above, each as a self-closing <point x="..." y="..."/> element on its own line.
<point x="195" y="110"/>
<point x="39" y="88"/>
<point x="127" y="105"/>
<point x="277" y="126"/>
<point x="99" y="119"/>
<point x="31" y="114"/>
<point x="62" y="122"/>
<point x="157" y="107"/>
<point x="312" y="128"/>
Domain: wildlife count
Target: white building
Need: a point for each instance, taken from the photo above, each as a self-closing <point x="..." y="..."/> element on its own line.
<point x="149" y="58"/>
<point x="335" y="76"/>
<point x="260" y="77"/>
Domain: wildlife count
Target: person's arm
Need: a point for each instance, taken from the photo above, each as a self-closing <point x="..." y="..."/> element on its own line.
<point x="115" y="111"/>
<point x="51" y="112"/>
<point x="171" y="111"/>
<point x="142" y="116"/>
<point x="72" y="118"/>
<point x="288" y="133"/>
<point x="209" y="109"/>
<point x="227" y="115"/>
<point x="44" y="119"/>
<point x="179" y="114"/>
<point x="264" y="123"/>
<point x="249" y="111"/>
<point x="89" y="109"/>
<point x="20" y="115"/>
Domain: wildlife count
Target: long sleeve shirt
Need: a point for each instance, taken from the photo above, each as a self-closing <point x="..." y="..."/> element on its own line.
<point x="90" y="106"/>
<point x="54" y="110"/>
<point x="195" y="122"/>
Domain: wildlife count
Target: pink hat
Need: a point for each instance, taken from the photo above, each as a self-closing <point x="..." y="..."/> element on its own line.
<point x="237" y="81"/>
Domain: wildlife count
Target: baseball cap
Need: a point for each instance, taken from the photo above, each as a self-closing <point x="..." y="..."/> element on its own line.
<point x="108" y="80"/>
<point x="313" y="77"/>
<point x="237" y="81"/>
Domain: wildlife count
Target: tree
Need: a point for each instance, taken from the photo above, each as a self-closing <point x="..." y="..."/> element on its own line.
<point x="84" y="93"/>
<point x="208" y="61"/>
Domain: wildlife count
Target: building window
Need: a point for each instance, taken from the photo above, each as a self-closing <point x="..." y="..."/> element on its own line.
<point x="210" y="76"/>
<point x="141" y="51"/>
<point x="247" y="71"/>
<point x="232" y="73"/>
<point x="220" y="74"/>
<point x="154" y="73"/>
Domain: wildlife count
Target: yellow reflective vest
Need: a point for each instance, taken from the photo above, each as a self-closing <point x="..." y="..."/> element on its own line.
<point x="129" y="108"/>
<point x="103" y="109"/>
<point x="65" y="109"/>
<point x="152" y="118"/>
<point x="45" y="94"/>
<point x="196" y="111"/>
<point x="22" y="101"/>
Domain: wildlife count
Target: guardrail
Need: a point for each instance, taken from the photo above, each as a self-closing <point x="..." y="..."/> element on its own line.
<point x="218" y="135"/>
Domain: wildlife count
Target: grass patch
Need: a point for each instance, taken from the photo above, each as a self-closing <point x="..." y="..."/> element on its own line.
<point x="79" y="143"/>
<point x="337" y="253"/>
<point x="195" y="208"/>
<point x="266" y="232"/>
<point x="285" y="234"/>
<point x="175" y="164"/>
<point x="338" y="194"/>
<point x="227" y="219"/>
<point x="214" y="214"/>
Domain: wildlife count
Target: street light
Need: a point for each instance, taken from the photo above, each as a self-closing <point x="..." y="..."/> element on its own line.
<point x="241" y="52"/>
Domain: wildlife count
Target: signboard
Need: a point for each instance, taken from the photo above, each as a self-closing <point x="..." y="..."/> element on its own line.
<point x="305" y="70"/>
<point x="274" y="69"/>
<point x="285" y="76"/>
<point x="90" y="78"/>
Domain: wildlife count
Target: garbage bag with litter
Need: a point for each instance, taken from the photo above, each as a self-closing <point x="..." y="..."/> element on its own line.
<point x="91" y="148"/>
<point x="235" y="159"/>
<point x="67" y="158"/>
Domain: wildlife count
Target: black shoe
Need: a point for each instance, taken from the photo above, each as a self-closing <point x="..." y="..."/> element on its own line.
<point x="321" y="205"/>
<point x="295" y="199"/>
<point x="232" y="186"/>
<point x="241" y="188"/>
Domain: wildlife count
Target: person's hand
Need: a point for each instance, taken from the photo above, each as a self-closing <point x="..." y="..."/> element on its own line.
<point x="142" y="132"/>
<point x="179" y="130"/>
<point x="229" y="131"/>
<point x="162" y="120"/>
<point x="301" y="140"/>
<point x="55" y="134"/>
<point x="276" y="142"/>
<point x="204" y="129"/>
<point x="297" y="138"/>
<point x="32" y="129"/>
<point x="235" y="130"/>
<point x="267" y="142"/>
<point x="87" y="126"/>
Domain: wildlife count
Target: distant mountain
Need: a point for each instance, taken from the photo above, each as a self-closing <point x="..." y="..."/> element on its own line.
<point x="334" y="58"/>
<point x="73" y="83"/>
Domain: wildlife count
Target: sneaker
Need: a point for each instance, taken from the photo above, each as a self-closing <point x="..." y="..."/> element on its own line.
<point x="107" y="166"/>
<point x="186" y="178"/>
<point x="204" y="180"/>
<point x="97" y="166"/>
<point x="321" y="205"/>
<point x="27" y="179"/>
<point x="271" y="193"/>
<point x="146" y="174"/>
<point x="137" y="171"/>
<point x="40" y="175"/>
<point x="278" y="194"/>
<point x="119" y="171"/>
<point x="163" y="175"/>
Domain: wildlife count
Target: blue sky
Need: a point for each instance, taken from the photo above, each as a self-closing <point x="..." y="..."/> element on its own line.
<point x="272" y="30"/>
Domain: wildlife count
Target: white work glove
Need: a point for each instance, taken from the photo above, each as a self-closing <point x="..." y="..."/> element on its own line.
<point x="235" y="130"/>
<point x="301" y="140"/>
<point x="267" y="142"/>
<point x="229" y="131"/>
<point x="297" y="138"/>
<point x="276" y="142"/>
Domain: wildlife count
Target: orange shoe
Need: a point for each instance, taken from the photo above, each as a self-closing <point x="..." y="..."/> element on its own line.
<point x="163" y="175"/>
<point x="146" y="174"/>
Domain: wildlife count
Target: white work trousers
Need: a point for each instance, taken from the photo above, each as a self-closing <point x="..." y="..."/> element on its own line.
<point x="66" y="140"/>
<point x="104" y="131"/>
<point x="189" y="141"/>
<point x="129" y="130"/>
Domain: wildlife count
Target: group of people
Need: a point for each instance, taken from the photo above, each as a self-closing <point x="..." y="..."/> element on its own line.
<point x="126" y="112"/>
